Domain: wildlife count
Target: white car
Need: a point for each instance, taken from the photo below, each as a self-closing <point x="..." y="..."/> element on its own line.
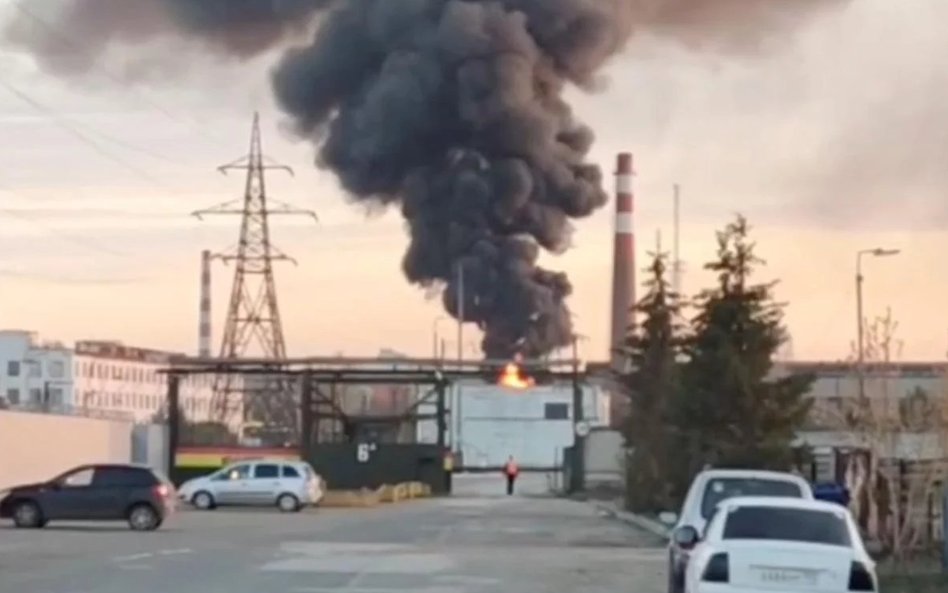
<point x="290" y="485"/>
<point x="780" y="545"/>
<point x="711" y="487"/>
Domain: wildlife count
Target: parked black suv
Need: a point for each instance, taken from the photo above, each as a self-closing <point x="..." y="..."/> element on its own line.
<point x="108" y="492"/>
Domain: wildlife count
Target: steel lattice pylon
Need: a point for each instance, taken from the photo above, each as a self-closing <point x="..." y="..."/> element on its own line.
<point x="253" y="316"/>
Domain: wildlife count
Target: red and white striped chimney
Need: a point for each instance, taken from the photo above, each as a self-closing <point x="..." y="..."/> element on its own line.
<point x="204" y="319"/>
<point x="623" y="272"/>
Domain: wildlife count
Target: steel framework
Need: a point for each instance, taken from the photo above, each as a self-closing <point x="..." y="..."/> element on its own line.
<point x="310" y="374"/>
<point x="253" y="315"/>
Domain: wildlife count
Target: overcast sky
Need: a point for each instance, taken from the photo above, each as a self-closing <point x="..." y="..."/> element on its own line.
<point x="834" y="142"/>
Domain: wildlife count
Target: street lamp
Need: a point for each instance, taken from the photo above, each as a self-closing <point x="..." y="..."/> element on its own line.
<point x="860" y="322"/>
<point x="435" y="336"/>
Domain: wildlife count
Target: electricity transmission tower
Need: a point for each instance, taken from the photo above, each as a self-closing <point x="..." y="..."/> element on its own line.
<point x="253" y="316"/>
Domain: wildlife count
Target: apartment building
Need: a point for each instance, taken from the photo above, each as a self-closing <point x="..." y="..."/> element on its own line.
<point x="98" y="377"/>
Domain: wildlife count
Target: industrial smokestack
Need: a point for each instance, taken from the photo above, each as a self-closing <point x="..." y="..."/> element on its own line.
<point x="623" y="280"/>
<point x="204" y="318"/>
<point x="623" y="272"/>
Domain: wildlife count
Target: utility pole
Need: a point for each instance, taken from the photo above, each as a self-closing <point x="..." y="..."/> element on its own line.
<point x="457" y="408"/>
<point x="676" y="246"/>
<point x="253" y="315"/>
<point x="860" y="319"/>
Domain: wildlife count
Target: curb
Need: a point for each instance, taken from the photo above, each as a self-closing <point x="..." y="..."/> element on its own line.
<point x="654" y="527"/>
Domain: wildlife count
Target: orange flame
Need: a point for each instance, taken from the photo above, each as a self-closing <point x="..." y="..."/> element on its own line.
<point x="513" y="377"/>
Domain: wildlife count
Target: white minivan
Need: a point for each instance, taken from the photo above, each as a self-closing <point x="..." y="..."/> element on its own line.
<point x="290" y="485"/>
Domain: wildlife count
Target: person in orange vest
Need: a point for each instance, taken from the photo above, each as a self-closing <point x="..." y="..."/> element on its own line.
<point x="511" y="471"/>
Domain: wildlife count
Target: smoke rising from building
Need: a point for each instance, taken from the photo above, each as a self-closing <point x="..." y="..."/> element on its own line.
<point x="452" y="109"/>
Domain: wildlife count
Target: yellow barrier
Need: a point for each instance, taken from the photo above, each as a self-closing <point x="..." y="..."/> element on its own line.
<point x="350" y="499"/>
<point x="387" y="493"/>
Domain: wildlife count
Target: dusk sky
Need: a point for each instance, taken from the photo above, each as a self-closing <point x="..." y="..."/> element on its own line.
<point x="834" y="140"/>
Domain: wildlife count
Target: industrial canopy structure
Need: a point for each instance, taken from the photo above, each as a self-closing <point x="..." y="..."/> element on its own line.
<point x="313" y="375"/>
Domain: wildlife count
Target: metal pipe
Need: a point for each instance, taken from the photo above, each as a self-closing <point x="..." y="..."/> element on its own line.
<point x="386" y="363"/>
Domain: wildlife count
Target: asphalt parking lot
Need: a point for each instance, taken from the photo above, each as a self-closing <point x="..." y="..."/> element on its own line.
<point x="475" y="542"/>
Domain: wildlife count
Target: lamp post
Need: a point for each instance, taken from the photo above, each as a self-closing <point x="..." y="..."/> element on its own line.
<point x="436" y="340"/>
<point x="860" y="322"/>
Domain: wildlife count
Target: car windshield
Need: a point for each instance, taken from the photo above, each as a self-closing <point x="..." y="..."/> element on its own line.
<point x="786" y="524"/>
<point x="721" y="489"/>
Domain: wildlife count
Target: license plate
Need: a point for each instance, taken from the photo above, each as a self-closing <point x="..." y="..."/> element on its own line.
<point x="783" y="576"/>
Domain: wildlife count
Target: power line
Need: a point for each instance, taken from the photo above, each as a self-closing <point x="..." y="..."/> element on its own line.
<point x="64" y="124"/>
<point x="55" y="232"/>
<point x="142" y="98"/>
<point x="58" y="279"/>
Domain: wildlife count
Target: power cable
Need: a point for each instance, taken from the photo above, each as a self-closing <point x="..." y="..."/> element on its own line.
<point x="57" y="279"/>
<point x="64" y="124"/>
<point x="144" y="99"/>
<point x="77" y="240"/>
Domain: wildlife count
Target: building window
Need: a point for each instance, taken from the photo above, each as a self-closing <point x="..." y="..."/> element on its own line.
<point x="13" y="368"/>
<point x="556" y="411"/>
<point x="57" y="370"/>
<point x="35" y="370"/>
<point x="13" y="396"/>
<point x="56" y="396"/>
<point x="36" y="395"/>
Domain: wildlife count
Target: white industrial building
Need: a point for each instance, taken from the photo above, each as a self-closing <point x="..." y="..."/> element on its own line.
<point x="96" y="378"/>
<point x="489" y="423"/>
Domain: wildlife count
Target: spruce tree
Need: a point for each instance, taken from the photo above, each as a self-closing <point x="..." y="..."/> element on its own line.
<point x="652" y="351"/>
<point x="732" y="412"/>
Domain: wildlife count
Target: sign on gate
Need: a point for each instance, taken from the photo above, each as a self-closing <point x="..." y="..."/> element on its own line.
<point x="363" y="451"/>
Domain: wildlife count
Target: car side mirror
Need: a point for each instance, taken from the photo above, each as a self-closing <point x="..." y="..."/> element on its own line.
<point x="686" y="537"/>
<point x="668" y="519"/>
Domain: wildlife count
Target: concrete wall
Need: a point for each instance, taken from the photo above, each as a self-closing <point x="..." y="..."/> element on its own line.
<point x="496" y="422"/>
<point x="150" y="446"/>
<point x="605" y="457"/>
<point x="36" y="447"/>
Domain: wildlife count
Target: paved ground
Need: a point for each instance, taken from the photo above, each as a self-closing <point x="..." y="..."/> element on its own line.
<point x="476" y="542"/>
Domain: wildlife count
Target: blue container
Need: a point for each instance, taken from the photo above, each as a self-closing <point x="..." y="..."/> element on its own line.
<point x="831" y="492"/>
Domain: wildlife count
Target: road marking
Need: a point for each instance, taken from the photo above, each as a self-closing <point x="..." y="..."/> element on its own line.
<point x="175" y="552"/>
<point x="132" y="557"/>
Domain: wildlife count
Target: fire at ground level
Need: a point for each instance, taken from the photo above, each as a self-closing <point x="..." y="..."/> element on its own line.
<point x="421" y="440"/>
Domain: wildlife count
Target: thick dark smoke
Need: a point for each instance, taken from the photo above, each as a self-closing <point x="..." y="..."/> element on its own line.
<point x="69" y="36"/>
<point x="454" y="110"/>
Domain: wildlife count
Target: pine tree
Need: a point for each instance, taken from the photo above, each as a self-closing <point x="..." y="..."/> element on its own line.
<point x="652" y="350"/>
<point x="732" y="412"/>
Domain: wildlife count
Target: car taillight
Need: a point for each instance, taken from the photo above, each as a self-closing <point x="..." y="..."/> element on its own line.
<point x="162" y="490"/>
<point x="718" y="569"/>
<point x="860" y="579"/>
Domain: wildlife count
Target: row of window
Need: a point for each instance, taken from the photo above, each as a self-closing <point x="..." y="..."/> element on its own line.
<point x="118" y="372"/>
<point x="35" y="396"/>
<point x="134" y="401"/>
<point x="55" y="368"/>
<point x="140" y="402"/>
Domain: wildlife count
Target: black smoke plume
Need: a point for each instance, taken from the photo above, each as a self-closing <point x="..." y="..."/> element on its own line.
<point x="454" y="110"/>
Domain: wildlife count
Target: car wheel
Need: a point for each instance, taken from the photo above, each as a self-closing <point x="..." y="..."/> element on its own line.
<point x="27" y="515"/>
<point x="203" y="500"/>
<point x="675" y="579"/>
<point x="143" y="517"/>
<point x="288" y="503"/>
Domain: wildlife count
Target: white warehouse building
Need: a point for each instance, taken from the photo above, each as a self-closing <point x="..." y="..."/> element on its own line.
<point x="96" y="378"/>
<point x="535" y="425"/>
